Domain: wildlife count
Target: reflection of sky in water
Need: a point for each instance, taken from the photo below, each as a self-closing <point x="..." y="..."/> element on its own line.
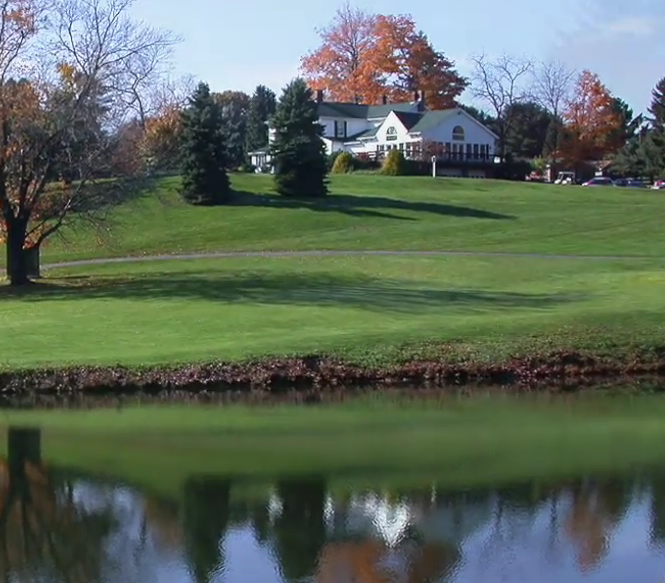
<point x="512" y="546"/>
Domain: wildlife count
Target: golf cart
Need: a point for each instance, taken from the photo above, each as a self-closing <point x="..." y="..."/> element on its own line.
<point x="565" y="178"/>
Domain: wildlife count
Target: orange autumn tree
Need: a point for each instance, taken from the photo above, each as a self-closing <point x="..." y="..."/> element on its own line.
<point x="344" y="63"/>
<point x="590" y="120"/>
<point x="161" y="140"/>
<point x="66" y="67"/>
<point x="410" y="63"/>
<point x="364" y="56"/>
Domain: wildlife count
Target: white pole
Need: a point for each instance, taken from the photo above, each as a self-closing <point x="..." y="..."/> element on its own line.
<point x="433" y="166"/>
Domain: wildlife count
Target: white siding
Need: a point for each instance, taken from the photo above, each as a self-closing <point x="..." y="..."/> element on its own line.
<point x="402" y="134"/>
<point x="353" y="125"/>
<point x="474" y="133"/>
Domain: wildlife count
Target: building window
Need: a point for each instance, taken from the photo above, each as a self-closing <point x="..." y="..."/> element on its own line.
<point x="340" y="129"/>
<point x="458" y="134"/>
<point x="483" y="151"/>
<point x="475" y="151"/>
<point x="469" y="148"/>
<point x="401" y="146"/>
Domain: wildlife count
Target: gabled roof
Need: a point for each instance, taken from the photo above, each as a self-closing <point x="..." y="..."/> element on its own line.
<point x="431" y="119"/>
<point x="355" y="110"/>
<point x="409" y="120"/>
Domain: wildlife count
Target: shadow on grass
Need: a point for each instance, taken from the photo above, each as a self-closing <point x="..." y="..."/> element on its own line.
<point x="363" y="206"/>
<point x="284" y="289"/>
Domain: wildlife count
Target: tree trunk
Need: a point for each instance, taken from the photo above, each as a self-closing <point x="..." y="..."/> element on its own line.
<point x="17" y="257"/>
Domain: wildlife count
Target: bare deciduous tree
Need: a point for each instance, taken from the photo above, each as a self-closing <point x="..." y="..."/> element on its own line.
<point x="70" y="72"/>
<point x="500" y="83"/>
<point x="552" y="84"/>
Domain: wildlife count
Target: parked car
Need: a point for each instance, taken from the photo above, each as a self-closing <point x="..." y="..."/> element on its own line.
<point x="629" y="183"/>
<point x="599" y="181"/>
<point x="659" y="185"/>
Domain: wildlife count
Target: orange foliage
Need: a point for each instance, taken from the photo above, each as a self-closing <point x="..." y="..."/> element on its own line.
<point x="344" y="64"/>
<point x="590" y="120"/>
<point x="161" y="137"/>
<point x="411" y="64"/>
<point x="20" y="103"/>
<point x="364" y="56"/>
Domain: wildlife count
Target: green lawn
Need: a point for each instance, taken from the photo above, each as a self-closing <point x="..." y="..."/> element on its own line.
<point x="459" y="441"/>
<point x="374" y="212"/>
<point x="358" y="306"/>
<point x="177" y="311"/>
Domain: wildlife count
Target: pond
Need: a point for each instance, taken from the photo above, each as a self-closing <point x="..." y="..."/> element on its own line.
<point x="591" y="528"/>
<point x="459" y="491"/>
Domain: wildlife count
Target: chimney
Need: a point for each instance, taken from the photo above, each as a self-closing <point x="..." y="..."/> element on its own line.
<point x="422" y="98"/>
<point x="319" y="95"/>
<point x="384" y="99"/>
<point x="416" y="96"/>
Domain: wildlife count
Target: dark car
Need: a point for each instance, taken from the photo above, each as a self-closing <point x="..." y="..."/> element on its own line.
<point x="629" y="183"/>
<point x="599" y="181"/>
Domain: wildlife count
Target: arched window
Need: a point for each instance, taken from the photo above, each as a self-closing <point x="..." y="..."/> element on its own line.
<point x="458" y="133"/>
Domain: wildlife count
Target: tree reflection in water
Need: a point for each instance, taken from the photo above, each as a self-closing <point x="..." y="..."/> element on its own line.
<point x="42" y="530"/>
<point x="304" y="529"/>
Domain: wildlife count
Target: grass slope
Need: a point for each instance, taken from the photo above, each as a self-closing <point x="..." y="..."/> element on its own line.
<point x="460" y="442"/>
<point x="359" y="307"/>
<point x="375" y="212"/>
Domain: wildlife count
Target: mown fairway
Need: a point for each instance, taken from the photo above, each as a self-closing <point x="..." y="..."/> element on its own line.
<point x="363" y="307"/>
<point x="374" y="212"/>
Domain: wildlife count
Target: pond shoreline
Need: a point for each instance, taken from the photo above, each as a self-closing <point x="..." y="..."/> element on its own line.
<point x="320" y="379"/>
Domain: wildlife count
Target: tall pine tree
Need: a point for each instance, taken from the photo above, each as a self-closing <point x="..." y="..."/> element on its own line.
<point x="204" y="177"/>
<point x="298" y="152"/>
<point x="261" y="108"/>
<point x="657" y="107"/>
<point x="656" y="159"/>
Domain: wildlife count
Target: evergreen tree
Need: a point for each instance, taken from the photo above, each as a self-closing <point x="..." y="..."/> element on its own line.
<point x="657" y="107"/>
<point x="261" y="108"/>
<point x="298" y="152"/>
<point x="554" y="139"/>
<point x="204" y="178"/>
<point x="655" y="146"/>
<point x="631" y="160"/>
<point x="234" y="125"/>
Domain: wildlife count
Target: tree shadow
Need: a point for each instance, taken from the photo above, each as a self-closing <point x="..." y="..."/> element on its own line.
<point x="363" y="206"/>
<point x="365" y="292"/>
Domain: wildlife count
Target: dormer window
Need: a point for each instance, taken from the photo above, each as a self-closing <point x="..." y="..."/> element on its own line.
<point x="340" y="129"/>
<point x="458" y="134"/>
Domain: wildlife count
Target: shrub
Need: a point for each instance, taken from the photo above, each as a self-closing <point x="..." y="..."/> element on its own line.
<point x="363" y="162"/>
<point x="394" y="164"/>
<point x="331" y="159"/>
<point x="343" y="163"/>
<point x="417" y="168"/>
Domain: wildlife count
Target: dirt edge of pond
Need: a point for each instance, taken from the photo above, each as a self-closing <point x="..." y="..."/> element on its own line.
<point x="321" y="378"/>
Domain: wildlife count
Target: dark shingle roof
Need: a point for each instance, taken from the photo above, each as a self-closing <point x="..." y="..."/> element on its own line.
<point x="409" y="120"/>
<point x="355" y="110"/>
<point x="366" y="134"/>
<point x="431" y="119"/>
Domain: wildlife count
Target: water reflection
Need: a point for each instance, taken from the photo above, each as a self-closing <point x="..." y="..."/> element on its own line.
<point x="59" y="528"/>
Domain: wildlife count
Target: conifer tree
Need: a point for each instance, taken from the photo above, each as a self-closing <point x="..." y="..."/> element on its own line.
<point x="298" y="152"/>
<point x="261" y="108"/>
<point x="657" y="107"/>
<point x="204" y="177"/>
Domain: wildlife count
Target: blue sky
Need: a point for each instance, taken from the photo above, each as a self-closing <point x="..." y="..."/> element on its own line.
<point x="237" y="45"/>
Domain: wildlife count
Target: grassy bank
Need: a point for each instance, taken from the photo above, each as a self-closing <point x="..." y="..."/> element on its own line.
<point x="368" y="309"/>
<point x="459" y="442"/>
<point x="374" y="212"/>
